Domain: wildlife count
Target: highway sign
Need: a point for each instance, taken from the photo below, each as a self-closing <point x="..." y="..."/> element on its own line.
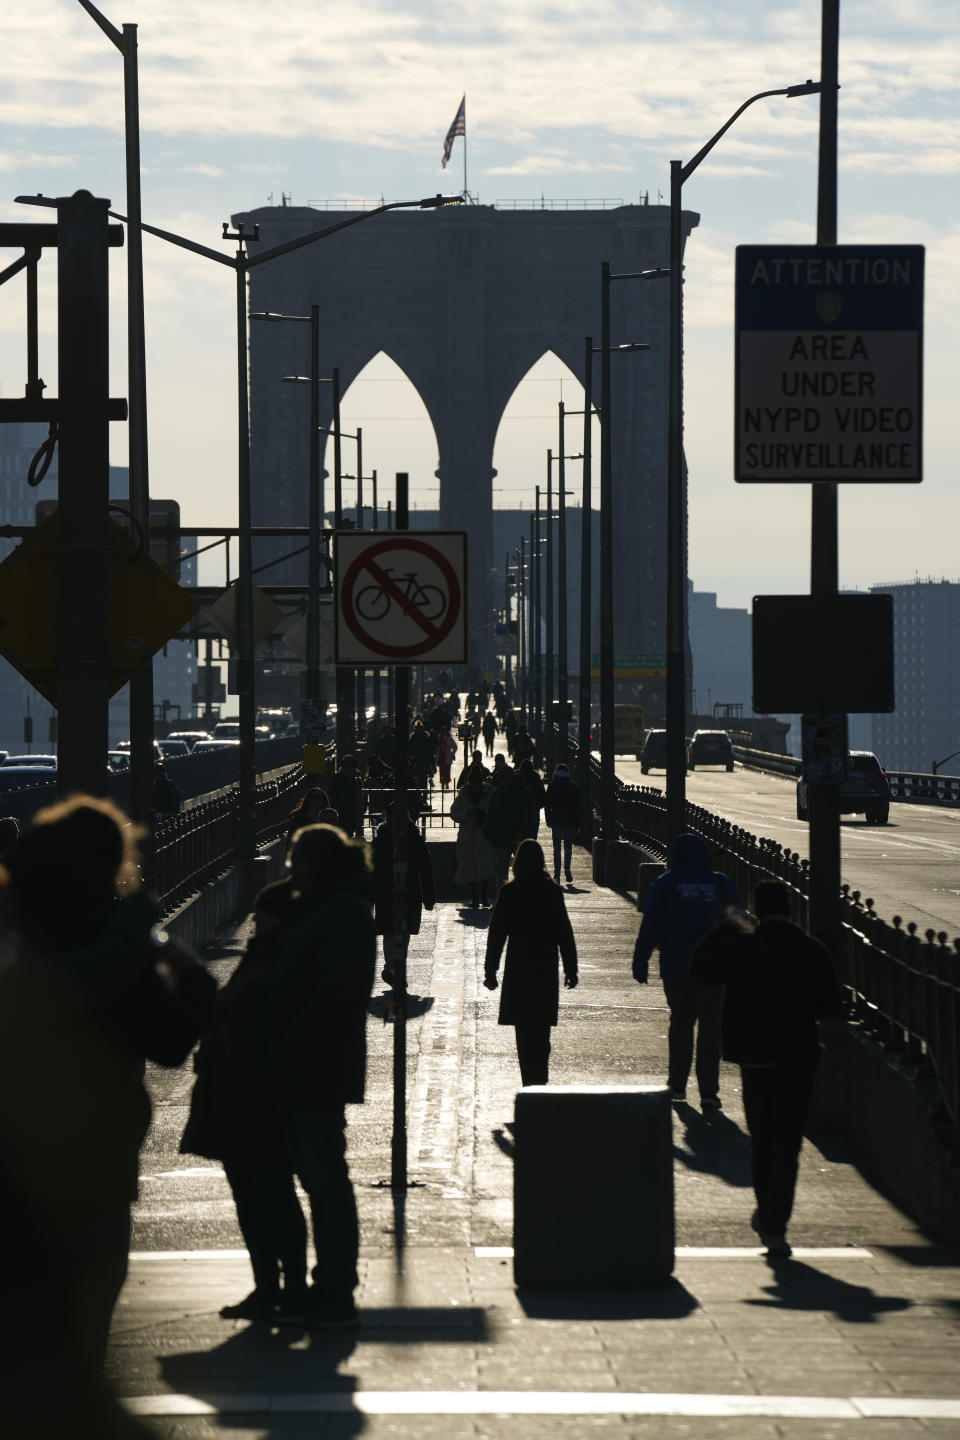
<point x="632" y="664"/>
<point x="400" y="597"/>
<point x="823" y="653"/>
<point x="829" y="356"/>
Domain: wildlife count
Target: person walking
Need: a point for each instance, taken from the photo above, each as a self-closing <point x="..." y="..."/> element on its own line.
<point x="419" y="882"/>
<point x="531" y="919"/>
<point x="476" y="863"/>
<point x="778" y="982"/>
<point x="88" y="993"/>
<point x="510" y="730"/>
<point x="347" y="796"/>
<point x="680" y="907"/>
<point x="563" y="812"/>
<point x="534" y="784"/>
<point x="512" y="816"/>
<point x="488" y="726"/>
<point x="286" y="1056"/>
<point x="446" y="754"/>
<point x="308" y="812"/>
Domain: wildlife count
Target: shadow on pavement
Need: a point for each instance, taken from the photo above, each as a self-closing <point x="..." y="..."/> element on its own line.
<point x="257" y="1361"/>
<point x="922" y="1256"/>
<point x="670" y="1301"/>
<point x="503" y="1142"/>
<point x="714" y="1145"/>
<point x="380" y="1007"/>
<point x="478" y="918"/>
<point x="798" y="1286"/>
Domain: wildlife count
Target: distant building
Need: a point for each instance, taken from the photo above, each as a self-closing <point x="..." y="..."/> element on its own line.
<point x="925" y="726"/>
<point x="721" y="647"/>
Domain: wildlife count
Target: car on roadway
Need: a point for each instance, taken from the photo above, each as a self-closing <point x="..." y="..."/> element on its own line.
<point x="653" y="756"/>
<point x="172" y="749"/>
<point x="226" y="730"/>
<point x="203" y="747"/>
<point x="189" y="737"/>
<point x="866" y="790"/>
<point x="118" y="761"/>
<point x="710" y="747"/>
<point x="46" y="762"/>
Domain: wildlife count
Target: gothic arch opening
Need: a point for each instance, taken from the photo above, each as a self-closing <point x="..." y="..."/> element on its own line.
<point x="397" y="435"/>
<point x="530" y="426"/>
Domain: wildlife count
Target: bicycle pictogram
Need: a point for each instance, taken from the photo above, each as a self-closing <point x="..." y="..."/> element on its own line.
<point x="373" y="602"/>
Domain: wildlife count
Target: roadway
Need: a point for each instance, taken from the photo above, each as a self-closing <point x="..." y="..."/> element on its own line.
<point x="909" y="867"/>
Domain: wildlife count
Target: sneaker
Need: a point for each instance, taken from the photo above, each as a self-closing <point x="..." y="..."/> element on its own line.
<point x="333" y="1314"/>
<point x="677" y="1096"/>
<point x="711" y="1102"/>
<point x="294" y="1306"/>
<point x="259" y="1305"/>
<point x="387" y="975"/>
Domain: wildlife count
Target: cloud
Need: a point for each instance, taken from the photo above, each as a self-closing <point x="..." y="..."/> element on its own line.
<point x="555" y="165"/>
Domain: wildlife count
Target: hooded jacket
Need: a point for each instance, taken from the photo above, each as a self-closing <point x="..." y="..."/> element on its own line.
<point x="681" y="907"/>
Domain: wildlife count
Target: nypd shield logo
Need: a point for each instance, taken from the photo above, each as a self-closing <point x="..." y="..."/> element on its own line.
<point x="829" y="305"/>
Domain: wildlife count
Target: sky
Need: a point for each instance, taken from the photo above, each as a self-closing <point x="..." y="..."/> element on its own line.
<point x="244" y="102"/>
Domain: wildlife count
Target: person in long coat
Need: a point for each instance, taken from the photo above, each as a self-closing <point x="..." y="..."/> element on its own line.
<point x="419" y="881"/>
<point x="476" y="859"/>
<point x="530" y="918"/>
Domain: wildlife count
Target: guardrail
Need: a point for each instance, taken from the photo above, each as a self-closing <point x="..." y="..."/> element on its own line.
<point x="920" y="788"/>
<point x="903" y="987"/>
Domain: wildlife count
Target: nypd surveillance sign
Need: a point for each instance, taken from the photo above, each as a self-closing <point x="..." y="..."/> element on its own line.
<point x="829" y="382"/>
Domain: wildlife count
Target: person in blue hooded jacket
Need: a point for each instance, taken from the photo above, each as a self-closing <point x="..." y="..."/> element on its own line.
<point x="681" y="906"/>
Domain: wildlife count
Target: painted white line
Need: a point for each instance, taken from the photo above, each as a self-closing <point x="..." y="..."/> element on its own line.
<point x="718" y="1252"/>
<point x="549" y="1402"/>
<point x="137" y="1256"/>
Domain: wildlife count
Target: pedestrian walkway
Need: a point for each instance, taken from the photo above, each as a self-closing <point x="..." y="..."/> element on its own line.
<point x="858" y="1334"/>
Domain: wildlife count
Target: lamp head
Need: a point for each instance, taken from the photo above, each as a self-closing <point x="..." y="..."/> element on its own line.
<point x="810" y="87"/>
<point x="437" y="202"/>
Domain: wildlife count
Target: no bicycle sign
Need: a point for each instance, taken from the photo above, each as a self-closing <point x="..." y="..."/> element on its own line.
<point x="401" y="597"/>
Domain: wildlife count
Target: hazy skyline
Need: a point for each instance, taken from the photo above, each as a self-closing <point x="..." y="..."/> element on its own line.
<point x="242" y="102"/>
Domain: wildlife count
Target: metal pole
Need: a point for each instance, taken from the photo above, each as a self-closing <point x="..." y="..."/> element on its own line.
<point x="676" y="554"/>
<point x="824" y="800"/>
<point x="311" y="729"/>
<point x="522" y="677"/>
<point x="361" y="672"/>
<point x="398" y="1151"/>
<point x="537" y="618"/>
<point x="84" y="493"/>
<point x="141" y="683"/>
<point x="245" y="678"/>
<point x="550" y="637"/>
<point x="376" y="669"/>
<point x="586" y="540"/>
<point x="608" y="801"/>
<point x="562" y="679"/>
<point x="346" y="695"/>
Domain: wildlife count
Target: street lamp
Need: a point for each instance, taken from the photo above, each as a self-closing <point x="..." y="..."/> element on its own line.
<point x="608" y="779"/>
<point x="676" y="509"/>
<point x="241" y="262"/>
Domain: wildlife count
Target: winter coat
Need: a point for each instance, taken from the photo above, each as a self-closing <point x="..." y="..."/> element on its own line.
<point x="475" y="858"/>
<point x="563" y="806"/>
<point x="680" y="908"/>
<point x="778" y="980"/>
<point x="513" y="816"/>
<point x="348" y="799"/>
<point x="291" y="1027"/>
<point x="420" y="891"/>
<point x="533" y="783"/>
<point x="531" y="918"/>
<point x="489" y="726"/>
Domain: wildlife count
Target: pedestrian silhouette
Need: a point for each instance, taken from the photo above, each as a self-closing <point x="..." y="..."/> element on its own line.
<point x="778" y="981"/>
<point x="530" y="918"/>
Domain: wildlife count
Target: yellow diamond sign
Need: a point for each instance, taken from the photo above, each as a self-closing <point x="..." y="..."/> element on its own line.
<point x="146" y="608"/>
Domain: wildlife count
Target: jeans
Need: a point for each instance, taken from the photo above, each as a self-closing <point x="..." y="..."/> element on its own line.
<point x="271" y="1222"/>
<point x="776" y="1099"/>
<point x="533" y="1052"/>
<point x="562" y="836"/>
<point x="692" y="1004"/>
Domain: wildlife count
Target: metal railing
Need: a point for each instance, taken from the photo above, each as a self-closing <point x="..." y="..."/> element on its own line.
<point x="903" y="988"/>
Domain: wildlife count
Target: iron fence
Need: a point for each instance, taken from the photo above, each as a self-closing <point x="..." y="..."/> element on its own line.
<point x="902" y="987"/>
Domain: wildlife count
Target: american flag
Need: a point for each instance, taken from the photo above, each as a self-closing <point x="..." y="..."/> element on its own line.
<point x="459" y="127"/>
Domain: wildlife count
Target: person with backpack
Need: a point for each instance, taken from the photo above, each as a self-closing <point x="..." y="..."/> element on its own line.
<point x="680" y="907"/>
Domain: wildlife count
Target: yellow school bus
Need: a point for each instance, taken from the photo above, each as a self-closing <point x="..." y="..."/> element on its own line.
<point x="628" y="729"/>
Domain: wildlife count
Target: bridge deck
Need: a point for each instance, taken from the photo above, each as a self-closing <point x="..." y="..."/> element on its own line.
<point x="857" y="1334"/>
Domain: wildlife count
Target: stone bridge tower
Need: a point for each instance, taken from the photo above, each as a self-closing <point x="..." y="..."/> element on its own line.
<point x="465" y="300"/>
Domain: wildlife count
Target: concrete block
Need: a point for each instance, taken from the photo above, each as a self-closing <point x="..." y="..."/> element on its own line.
<point x="593" y="1187"/>
<point x="622" y="862"/>
<point x="647" y="872"/>
<point x="598" y="850"/>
